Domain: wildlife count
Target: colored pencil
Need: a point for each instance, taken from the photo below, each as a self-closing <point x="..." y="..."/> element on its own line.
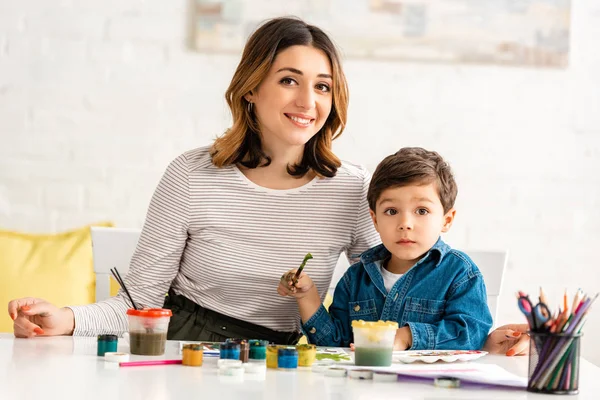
<point x="151" y="362"/>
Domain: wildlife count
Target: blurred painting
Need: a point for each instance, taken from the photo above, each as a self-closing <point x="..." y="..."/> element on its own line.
<point x="529" y="33"/>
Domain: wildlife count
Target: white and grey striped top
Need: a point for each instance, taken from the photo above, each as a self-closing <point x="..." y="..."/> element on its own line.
<point x="224" y="242"/>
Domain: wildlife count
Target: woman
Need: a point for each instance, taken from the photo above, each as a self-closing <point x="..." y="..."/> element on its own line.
<point x="227" y="221"/>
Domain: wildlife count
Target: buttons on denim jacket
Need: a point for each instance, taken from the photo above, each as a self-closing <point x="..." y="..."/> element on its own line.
<point x="313" y="330"/>
<point x="357" y="308"/>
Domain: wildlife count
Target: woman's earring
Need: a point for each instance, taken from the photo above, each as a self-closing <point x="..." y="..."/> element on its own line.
<point x="250" y="107"/>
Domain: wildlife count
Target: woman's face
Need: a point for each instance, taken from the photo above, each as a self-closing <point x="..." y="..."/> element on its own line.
<point x="294" y="100"/>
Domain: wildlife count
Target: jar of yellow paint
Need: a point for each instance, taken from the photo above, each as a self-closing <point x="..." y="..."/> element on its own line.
<point x="193" y="355"/>
<point x="272" y="355"/>
<point x="307" y="354"/>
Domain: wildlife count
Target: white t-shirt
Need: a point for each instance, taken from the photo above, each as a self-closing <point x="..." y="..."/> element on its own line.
<point x="389" y="278"/>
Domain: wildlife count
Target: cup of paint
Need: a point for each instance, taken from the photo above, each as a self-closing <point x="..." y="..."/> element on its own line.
<point x="107" y="344"/>
<point x="307" y="354"/>
<point x="272" y="355"/>
<point x="148" y="330"/>
<point x="287" y="358"/>
<point x="193" y="355"/>
<point x="229" y="351"/>
<point x="258" y="350"/>
<point x="374" y="342"/>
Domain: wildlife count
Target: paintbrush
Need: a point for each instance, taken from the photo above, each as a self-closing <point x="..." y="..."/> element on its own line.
<point x="295" y="278"/>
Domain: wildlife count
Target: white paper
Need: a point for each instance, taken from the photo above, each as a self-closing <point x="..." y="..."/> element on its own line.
<point x="469" y="372"/>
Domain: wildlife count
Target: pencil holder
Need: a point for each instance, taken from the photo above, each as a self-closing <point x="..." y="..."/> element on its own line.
<point x="554" y="360"/>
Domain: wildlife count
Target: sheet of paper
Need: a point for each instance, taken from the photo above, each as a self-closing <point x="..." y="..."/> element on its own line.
<point x="489" y="374"/>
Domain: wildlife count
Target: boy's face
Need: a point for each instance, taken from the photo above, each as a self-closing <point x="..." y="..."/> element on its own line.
<point x="409" y="220"/>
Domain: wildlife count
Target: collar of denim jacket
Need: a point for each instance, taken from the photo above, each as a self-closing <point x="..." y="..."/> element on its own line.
<point x="380" y="253"/>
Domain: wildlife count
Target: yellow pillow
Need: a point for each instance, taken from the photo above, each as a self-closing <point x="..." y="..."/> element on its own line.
<point x="57" y="268"/>
<point x="114" y="287"/>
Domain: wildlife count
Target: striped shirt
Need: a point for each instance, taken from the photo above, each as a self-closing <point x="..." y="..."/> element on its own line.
<point x="224" y="242"/>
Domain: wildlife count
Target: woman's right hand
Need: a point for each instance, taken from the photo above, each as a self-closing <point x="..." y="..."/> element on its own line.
<point x="36" y="317"/>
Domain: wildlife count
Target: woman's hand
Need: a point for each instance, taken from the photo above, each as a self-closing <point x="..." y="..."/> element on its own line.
<point x="36" y="317"/>
<point x="511" y="340"/>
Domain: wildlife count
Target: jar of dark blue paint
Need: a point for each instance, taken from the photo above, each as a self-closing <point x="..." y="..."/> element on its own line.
<point x="107" y="344"/>
<point x="229" y="351"/>
<point x="287" y="358"/>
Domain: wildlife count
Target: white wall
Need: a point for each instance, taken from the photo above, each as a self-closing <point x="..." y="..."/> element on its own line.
<point x="97" y="96"/>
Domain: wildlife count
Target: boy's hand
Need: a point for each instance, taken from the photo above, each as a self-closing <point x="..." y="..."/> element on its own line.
<point x="403" y="339"/>
<point x="297" y="289"/>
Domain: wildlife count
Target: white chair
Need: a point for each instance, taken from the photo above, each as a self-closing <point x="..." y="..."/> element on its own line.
<point x="111" y="247"/>
<point x="491" y="264"/>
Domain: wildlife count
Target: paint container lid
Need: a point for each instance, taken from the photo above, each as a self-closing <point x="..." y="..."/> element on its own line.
<point x="447" y="382"/>
<point x="255" y="368"/>
<point x="229" y="346"/>
<point x="232" y="370"/>
<point x="108" y="338"/>
<point x="116" y="357"/>
<point x="360" y="374"/>
<point x="287" y="352"/>
<point x="223" y="363"/>
<point x="258" y="343"/>
<point x="336" y="372"/>
<point x="322" y="365"/>
<point x="150" y="312"/>
<point x="385" y="376"/>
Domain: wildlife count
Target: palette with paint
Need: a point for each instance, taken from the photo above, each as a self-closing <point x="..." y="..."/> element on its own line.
<point x="335" y="354"/>
<point x="431" y="356"/>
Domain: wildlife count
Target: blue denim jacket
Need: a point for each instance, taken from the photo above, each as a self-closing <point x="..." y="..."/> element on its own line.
<point x="442" y="298"/>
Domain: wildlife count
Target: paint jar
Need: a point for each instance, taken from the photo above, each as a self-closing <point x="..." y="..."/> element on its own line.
<point x="229" y="351"/>
<point x="272" y="350"/>
<point x="193" y="355"/>
<point x="231" y="373"/>
<point x="244" y="348"/>
<point x="258" y="350"/>
<point x="374" y="342"/>
<point x="255" y="371"/>
<point x="307" y="354"/>
<point x="224" y="363"/>
<point x="148" y="330"/>
<point x="287" y="358"/>
<point x="107" y="344"/>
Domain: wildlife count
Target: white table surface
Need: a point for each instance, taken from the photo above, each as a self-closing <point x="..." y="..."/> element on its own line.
<point x="68" y="368"/>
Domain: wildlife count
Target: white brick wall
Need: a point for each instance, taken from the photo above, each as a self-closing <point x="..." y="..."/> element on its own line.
<point x="97" y="97"/>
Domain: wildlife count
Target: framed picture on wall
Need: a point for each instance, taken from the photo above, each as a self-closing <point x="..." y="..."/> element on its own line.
<point x="531" y="33"/>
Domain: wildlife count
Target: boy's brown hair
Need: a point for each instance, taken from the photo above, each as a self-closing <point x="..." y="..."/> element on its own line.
<point x="414" y="166"/>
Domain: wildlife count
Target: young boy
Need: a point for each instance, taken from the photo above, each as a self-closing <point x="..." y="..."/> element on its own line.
<point x="435" y="293"/>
